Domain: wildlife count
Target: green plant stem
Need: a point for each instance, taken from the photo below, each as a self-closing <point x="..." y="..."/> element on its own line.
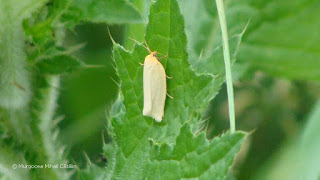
<point x="226" y="54"/>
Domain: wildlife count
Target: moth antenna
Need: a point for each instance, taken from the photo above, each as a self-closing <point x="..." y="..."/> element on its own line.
<point x="146" y="47"/>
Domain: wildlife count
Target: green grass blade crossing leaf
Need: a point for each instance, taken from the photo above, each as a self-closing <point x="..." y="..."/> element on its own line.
<point x="226" y="53"/>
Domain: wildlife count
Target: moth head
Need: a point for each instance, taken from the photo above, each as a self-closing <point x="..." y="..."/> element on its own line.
<point x="154" y="54"/>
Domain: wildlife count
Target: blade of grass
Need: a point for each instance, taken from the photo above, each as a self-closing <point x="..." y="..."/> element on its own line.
<point x="226" y="55"/>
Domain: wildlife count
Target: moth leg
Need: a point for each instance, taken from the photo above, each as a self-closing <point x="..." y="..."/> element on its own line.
<point x="169" y="77"/>
<point x="141" y="64"/>
<point x="169" y="96"/>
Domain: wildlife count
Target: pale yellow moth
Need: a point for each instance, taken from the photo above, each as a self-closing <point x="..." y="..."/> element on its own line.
<point x="154" y="87"/>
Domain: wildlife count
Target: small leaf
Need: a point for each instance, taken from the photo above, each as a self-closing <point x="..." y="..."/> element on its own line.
<point x="44" y="30"/>
<point x="204" y="36"/>
<point x="58" y="64"/>
<point x="101" y="11"/>
<point x="195" y="157"/>
<point x="282" y="38"/>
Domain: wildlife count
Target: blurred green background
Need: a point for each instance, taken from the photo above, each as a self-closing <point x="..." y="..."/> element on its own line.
<point x="87" y="93"/>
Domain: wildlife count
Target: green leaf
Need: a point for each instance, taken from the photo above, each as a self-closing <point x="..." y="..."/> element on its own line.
<point x="204" y="35"/>
<point x="92" y="172"/>
<point x="282" y="38"/>
<point x="40" y="33"/>
<point x="58" y="65"/>
<point x="101" y="11"/>
<point x="45" y="31"/>
<point x="133" y="150"/>
<point x="194" y="156"/>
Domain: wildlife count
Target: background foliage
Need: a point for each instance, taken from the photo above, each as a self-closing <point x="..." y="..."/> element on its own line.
<point x="60" y="89"/>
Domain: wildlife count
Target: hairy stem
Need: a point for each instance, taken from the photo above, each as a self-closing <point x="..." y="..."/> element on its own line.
<point x="226" y="54"/>
<point x="15" y="90"/>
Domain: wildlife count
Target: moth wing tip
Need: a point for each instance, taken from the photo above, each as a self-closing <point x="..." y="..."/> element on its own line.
<point x="158" y="119"/>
